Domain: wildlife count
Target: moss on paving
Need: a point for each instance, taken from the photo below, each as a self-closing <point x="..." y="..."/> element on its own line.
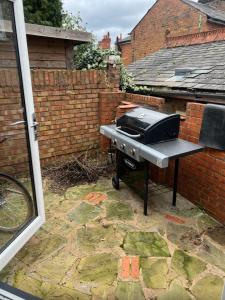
<point x="176" y="292"/>
<point x="84" y="213"/>
<point x="129" y="291"/>
<point x="100" y="268"/>
<point x="145" y="244"/>
<point x="186" y="265"/>
<point x="208" y="288"/>
<point x="42" y="250"/>
<point x="119" y="210"/>
<point x="154" y="273"/>
<point x="91" y="239"/>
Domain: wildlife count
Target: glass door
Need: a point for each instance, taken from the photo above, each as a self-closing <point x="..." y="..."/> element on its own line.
<point x="21" y="198"/>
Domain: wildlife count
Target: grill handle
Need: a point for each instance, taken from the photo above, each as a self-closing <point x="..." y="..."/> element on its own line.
<point x="134" y="136"/>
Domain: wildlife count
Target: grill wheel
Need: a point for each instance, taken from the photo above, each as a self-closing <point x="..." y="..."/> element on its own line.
<point x="116" y="182"/>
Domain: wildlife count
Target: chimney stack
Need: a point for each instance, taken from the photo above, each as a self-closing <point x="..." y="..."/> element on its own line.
<point x="105" y="43"/>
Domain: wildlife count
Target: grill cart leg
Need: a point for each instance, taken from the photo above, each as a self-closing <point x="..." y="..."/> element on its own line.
<point x="116" y="178"/>
<point x="175" y="181"/>
<point x="146" y="188"/>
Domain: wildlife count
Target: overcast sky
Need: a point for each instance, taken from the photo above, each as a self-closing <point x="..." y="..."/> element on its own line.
<point x="114" y="16"/>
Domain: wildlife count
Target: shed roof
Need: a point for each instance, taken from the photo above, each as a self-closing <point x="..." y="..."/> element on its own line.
<point x="75" y="36"/>
<point x="191" y="68"/>
<point x="125" y="40"/>
<point x="58" y="33"/>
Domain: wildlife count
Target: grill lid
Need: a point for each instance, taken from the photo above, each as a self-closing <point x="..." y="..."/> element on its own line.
<point x="149" y="126"/>
<point x="141" y="117"/>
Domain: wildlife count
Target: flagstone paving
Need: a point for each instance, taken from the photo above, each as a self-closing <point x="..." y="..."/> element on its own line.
<point x="97" y="244"/>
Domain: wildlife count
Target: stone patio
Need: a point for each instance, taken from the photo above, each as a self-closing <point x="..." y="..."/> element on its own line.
<point x="97" y="244"/>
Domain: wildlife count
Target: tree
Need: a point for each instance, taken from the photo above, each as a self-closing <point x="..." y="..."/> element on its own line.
<point x="43" y="12"/>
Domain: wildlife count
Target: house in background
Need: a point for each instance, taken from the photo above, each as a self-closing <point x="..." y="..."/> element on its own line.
<point x="190" y="73"/>
<point x="171" y="18"/>
<point x="105" y="43"/>
<point x="49" y="47"/>
<point x="124" y="46"/>
<point x="189" y="68"/>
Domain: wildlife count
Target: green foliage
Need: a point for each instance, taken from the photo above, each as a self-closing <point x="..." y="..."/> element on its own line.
<point x="92" y="57"/>
<point x="72" y="22"/>
<point x="43" y="12"/>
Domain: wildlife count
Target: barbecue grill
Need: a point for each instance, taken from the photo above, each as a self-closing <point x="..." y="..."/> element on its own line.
<point x="143" y="136"/>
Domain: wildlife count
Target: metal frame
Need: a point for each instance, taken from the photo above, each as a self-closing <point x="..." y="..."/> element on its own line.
<point x="146" y="171"/>
<point x="31" y="229"/>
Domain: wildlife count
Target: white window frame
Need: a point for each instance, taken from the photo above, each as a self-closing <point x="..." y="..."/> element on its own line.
<point x="32" y="228"/>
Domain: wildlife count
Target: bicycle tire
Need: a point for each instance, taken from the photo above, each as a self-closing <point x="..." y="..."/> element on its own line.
<point x="28" y="200"/>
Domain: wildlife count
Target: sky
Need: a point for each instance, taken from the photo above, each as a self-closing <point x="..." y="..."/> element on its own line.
<point x="114" y="16"/>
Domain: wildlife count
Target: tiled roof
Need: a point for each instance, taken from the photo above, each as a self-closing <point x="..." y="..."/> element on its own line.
<point x="195" y="67"/>
<point x="127" y="39"/>
<point x="210" y="11"/>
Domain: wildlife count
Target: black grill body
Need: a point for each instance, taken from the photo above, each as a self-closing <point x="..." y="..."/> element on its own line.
<point x="148" y="126"/>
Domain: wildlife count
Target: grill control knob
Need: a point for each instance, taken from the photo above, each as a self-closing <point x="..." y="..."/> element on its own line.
<point x="132" y="152"/>
<point x="123" y="146"/>
<point x="114" y="142"/>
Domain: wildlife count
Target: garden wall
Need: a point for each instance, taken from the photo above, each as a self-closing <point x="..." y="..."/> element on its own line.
<point x="66" y="104"/>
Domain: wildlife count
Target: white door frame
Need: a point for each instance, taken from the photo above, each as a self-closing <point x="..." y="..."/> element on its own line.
<point x="31" y="229"/>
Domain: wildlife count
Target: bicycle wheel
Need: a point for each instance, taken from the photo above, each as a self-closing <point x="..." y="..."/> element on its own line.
<point x="16" y="205"/>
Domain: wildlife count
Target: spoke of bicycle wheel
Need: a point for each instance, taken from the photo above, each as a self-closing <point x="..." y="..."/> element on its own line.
<point x="14" y="191"/>
<point x="12" y="212"/>
<point x="9" y="213"/>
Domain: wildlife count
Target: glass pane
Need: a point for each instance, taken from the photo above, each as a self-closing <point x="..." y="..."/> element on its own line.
<point x="17" y="207"/>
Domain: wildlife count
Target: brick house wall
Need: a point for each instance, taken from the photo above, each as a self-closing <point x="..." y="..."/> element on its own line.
<point x="126" y="53"/>
<point x="166" y="18"/>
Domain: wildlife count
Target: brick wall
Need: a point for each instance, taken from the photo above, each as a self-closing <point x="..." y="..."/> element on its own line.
<point x="126" y="53"/>
<point x="202" y="176"/>
<point x="66" y="104"/>
<point x="166" y="18"/>
<point x="196" y="38"/>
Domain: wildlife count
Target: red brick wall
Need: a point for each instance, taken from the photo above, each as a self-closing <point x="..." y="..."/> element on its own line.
<point x="166" y="17"/>
<point x="202" y="176"/>
<point x="66" y="103"/>
<point x="126" y="53"/>
<point x="196" y="38"/>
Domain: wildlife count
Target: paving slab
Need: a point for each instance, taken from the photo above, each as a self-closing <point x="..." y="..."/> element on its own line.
<point x="186" y="265"/>
<point x="208" y="288"/>
<point x="119" y="210"/>
<point x="92" y="239"/>
<point x="84" y="213"/>
<point x="212" y="254"/>
<point x="176" y="292"/>
<point x="101" y="269"/>
<point x="185" y="237"/>
<point x="145" y="244"/>
<point x="154" y="272"/>
<point x="129" y="291"/>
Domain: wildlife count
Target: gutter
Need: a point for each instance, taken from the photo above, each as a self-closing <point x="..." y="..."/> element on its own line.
<point x="198" y="96"/>
<point x="215" y="21"/>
